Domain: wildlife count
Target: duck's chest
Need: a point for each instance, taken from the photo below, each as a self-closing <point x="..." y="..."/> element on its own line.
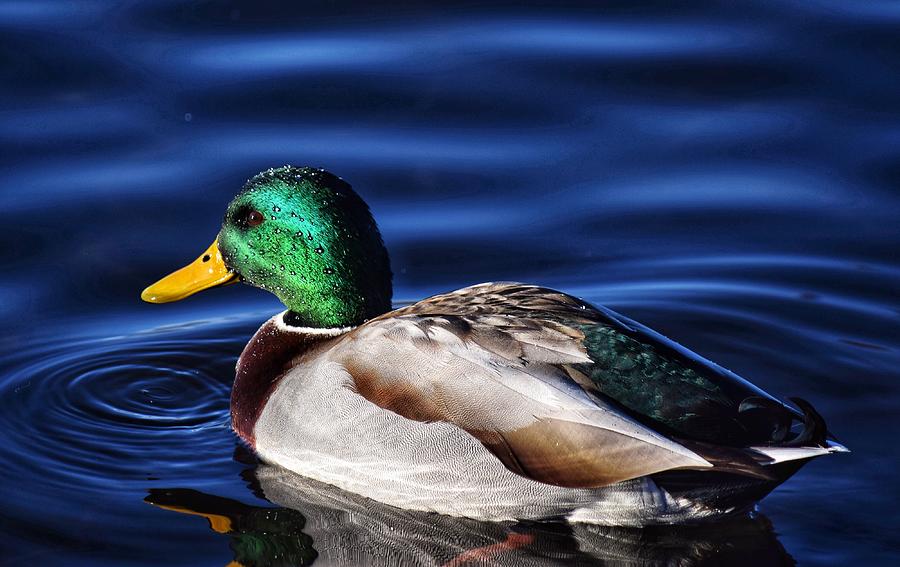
<point x="265" y="361"/>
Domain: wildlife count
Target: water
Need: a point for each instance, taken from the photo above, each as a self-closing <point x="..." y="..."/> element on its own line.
<point x="725" y="174"/>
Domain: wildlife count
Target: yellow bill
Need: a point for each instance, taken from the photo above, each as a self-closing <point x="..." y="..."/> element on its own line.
<point x="218" y="523"/>
<point x="207" y="271"/>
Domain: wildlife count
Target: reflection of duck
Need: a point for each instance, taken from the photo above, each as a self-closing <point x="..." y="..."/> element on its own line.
<point x="497" y="401"/>
<point x="257" y="536"/>
<point x="336" y="527"/>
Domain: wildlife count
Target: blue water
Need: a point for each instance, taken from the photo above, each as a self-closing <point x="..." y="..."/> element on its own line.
<point x="725" y="172"/>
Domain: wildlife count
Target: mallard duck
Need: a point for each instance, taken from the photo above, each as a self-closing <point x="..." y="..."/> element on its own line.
<point x="499" y="401"/>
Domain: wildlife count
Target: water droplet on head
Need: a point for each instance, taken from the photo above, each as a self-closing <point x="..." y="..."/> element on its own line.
<point x="319" y="250"/>
<point x="282" y="267"/>
<point x="328" y="270"/>
<point x="276" y="208"/>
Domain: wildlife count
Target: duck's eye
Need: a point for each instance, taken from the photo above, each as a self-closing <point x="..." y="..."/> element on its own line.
<point x="255" y="218"/>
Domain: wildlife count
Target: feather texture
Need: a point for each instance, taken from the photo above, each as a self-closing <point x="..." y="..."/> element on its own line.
<point x="496" y="368"/>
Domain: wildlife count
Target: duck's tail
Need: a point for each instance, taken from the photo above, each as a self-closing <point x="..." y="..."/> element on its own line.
<point x="741" y="476"/>
<point x="784" y="454"/>
<point x="808" y="438"/>
<point x="812" y="440"/>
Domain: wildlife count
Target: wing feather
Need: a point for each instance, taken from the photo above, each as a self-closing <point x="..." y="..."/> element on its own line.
<point x="503" y="379"/>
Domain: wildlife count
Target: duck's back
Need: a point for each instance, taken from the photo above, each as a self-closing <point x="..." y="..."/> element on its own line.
<point x="652" y="378"/>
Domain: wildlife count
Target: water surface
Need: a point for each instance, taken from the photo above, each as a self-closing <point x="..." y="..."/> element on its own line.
<point x="726" y="174"/>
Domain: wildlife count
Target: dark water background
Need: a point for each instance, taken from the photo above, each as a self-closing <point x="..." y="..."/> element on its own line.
<point x="724" y="172"/>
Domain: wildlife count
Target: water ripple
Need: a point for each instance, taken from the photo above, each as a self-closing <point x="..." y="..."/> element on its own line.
<point x="123" y="409"/>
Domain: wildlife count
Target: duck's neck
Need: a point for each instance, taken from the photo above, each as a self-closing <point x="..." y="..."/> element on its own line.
<point x="270" y="354"/>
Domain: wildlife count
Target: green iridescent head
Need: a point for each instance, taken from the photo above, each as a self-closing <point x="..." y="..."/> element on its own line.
<point x="304" y="235"/>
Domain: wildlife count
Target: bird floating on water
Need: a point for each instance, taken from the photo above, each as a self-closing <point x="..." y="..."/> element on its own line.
<point x="499" y="401"/>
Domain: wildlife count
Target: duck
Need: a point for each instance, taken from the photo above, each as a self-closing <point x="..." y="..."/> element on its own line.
<point x="500" y="401"/>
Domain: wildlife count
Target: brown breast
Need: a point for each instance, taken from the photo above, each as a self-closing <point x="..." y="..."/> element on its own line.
<point x="273" y="350"/>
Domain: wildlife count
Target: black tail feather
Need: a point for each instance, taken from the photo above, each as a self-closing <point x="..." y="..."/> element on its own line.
<point x="814" y="432"/>
<point x="778" y="419"/>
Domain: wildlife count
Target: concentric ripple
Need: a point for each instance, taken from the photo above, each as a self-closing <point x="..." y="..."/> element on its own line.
<point x="142" y="406"/>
